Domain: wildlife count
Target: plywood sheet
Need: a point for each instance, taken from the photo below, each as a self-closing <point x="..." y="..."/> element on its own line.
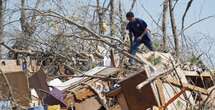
<point x="138" y="100"/>
<point x="19" y="84"/>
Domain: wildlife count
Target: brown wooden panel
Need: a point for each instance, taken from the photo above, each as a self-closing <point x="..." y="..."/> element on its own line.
<point x="122" y="102"/>
<point x="138" y="100"/>
<point x="19" y="84"/>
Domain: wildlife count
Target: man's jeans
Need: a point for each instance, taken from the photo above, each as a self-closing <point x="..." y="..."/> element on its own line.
<point x="136" y="43"/>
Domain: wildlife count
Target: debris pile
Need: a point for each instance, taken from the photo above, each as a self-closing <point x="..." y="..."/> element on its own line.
<point x="160" y="84"/>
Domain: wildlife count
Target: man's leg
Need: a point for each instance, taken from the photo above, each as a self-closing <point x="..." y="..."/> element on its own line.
<point x="134" y="49"/>
<point x="147" y="41"/>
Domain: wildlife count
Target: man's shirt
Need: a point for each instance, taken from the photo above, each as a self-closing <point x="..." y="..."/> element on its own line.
<point x="136" y="27"/>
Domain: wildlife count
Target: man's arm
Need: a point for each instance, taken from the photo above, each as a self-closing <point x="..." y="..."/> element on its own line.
<point x="128" y="28"/>
<point x="144" y="26"/>
<point x="130" y="38"/>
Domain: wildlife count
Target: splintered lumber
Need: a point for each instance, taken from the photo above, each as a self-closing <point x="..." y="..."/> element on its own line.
<point x="152" y="78"/>
<point x="173" y="98"/>
<point x="82" y="94"/>
<point x="112" y="58"/>
<point x="161" y="95"/>
<point x="188" y="86"/>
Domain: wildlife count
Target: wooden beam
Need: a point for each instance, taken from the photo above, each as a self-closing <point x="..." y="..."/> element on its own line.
<point x="112" y="58"/>
<point x="159" y="87"/>
<point x="194" y="73"/>
<point x="114" y="92"/>
<point x="188" y="86"/>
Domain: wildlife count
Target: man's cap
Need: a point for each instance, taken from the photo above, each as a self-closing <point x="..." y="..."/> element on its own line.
<point x="130" y="14"/>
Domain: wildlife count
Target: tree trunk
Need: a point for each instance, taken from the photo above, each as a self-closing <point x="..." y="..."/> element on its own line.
<point x="174" y="29"/>
<point x="26" y="29"/>
<point x="99" y="13"/>
<point x="164" y="24"/>
<point x="122" y="23"/>
<point x="1" y="25"/>
<point x="112" y="17"/>
<point x="28" y="26"/>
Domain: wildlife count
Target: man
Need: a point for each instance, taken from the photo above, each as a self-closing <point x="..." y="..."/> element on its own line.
<point x="138" y="29"/>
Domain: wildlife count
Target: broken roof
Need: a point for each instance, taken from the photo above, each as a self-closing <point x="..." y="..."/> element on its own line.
<point x="100" y="71"/>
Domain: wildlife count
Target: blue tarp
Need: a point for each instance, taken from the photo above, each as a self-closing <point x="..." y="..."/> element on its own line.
<point x="5" y="105"/>
<point x="38" y="108"/>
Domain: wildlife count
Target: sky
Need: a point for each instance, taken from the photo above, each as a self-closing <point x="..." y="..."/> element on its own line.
<point x="199" y="9"/>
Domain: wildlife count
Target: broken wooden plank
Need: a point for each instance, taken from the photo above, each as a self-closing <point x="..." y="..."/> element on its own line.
<point x="8" y="66"/>
<point x="156" y="76"/>
<point x="112" y="58"/>
<point x="188" y="86"/>
<point x="194" y="73"/>
<point x="161" y="95"/>
<point x="114" y="92"/>
<point x="82" y="94"/>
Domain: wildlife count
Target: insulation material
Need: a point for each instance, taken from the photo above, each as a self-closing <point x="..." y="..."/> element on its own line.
<point x="54" y="107"/>
<point x="34" y="98"/>
<point x="107" y="61"/>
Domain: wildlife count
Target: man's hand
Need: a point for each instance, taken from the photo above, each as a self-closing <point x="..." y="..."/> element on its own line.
<point x="139" y="38"/>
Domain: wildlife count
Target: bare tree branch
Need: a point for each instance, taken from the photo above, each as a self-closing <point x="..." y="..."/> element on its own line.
<point x="174" y="29"/>
<point x="132" y="5"/>
<point x="164" y="24"/>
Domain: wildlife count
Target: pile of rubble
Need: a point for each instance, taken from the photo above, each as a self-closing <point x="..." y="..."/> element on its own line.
<point x="160" y="84"/>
